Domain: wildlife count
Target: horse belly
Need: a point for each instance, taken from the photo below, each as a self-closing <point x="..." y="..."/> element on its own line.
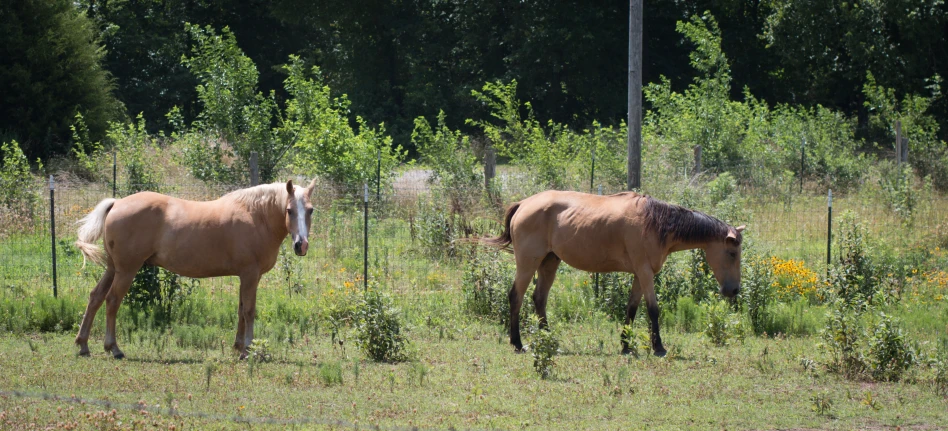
<point x="592" y="251"/>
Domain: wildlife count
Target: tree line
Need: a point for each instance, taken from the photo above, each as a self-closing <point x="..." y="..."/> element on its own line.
<point x="397" y="60"/>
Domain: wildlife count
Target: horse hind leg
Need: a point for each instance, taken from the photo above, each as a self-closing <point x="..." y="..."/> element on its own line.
<point x="515" y="297"/>
<point x="96" y="297"/>
<point x="120" y="285"/>
<point x="545" y="276"/>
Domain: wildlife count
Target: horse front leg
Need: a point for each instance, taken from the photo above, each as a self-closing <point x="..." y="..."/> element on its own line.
<point x="247" y="313"/>
<point x="635" y="297"/>
<point x="651" y="303"/>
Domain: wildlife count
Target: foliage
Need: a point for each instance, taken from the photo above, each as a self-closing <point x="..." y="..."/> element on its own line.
<point x="547" y="154"/>
<point x="888" y="351"/>
<point x="330" y="373"/>
<point x="856" y="278"/>
<point x="722" y="325"/>
<point x="612" y="295"/>
<point x="757" y="291"/>
<point x="90" y="156"/>
<point x="379" y="330"/>
<point x="841" y="339"/>
<point x="327" y="144"/>
<point x="259" y="350"/>
<point x="17" y="193"/>
<point x="52" y="69"/>
<point x="234" y="110"/>
<point x="927" y="153"/>
<point x="437" y="230"/>
<point x="792" y="280"/>
<point x="451" y="159"/>
<point x="156" y="293"/>
<point x="544" y="347"/>
<point x="898" y="190"/>
<point x="488" y="276"/>
<point x="138" y="150"/>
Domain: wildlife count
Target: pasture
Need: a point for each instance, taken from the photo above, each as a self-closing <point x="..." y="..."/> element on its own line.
<point x="459" y="371"/>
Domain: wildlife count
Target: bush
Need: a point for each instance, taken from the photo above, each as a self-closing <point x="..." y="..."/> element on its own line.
<point x="488" y="277"/>
<point x="379" y="330"/>
<point x="897" y="184"/>
<point x="544" y="348"/>
<point x="888" y="352"/>
<point x="687" y="314"/>
<point x="156" y="292"/>
<point x="856" y="278"/>
<point x="722" y="325"/>
<point x="613" y="294"/>
<point x="138" y="150"/>
<point x="438" y="231"/>
<point x="17" y="193"/>
<point x="451" y="159"/>
<point x="841" y="340"/>
<point x="757" y="292"/>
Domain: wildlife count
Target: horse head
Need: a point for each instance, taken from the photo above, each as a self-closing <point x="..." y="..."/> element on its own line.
<point x="724" y="257"/>
<point x="299" y="215"/>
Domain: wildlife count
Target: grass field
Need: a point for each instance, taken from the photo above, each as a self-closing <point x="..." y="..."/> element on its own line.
<point x="462" y="373"/>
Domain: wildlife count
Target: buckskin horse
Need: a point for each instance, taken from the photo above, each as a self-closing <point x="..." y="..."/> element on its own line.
<point x="625" y="232"/>
<point x="239" y="234"/>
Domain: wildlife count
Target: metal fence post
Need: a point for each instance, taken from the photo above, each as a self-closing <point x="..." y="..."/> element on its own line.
<point x="114" y="173"/>
<point x="829" y="227"/>
<point x="592" y="170"/>
<point x="52" y="230"/>
<point x="378" y="177"/>
<point x="802" y="161"/>
<point x="365" y="230"/>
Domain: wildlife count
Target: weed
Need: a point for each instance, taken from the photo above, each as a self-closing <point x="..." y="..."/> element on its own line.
<point x="821" y="404"/>
<point x="330" y="373"/>
<point x="488" y="276"/>
<point x="889" y="354"/>
<point x="417" y="373"/>
<point x="722" y="324"/>
<point x="545" y="346"/>
<point x="259" y="350"/>
<point x="379" y="330"/>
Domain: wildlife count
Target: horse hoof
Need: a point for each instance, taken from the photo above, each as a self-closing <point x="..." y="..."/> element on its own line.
<point x="243" y="357"/>
<point x="84" y="353"/>
<point x="119" y="356"/>
<point x="661" y="353"/>
<point x="627" y="351"/>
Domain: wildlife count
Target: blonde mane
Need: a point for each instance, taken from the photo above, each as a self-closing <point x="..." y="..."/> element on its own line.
<point x="260" y="197"/>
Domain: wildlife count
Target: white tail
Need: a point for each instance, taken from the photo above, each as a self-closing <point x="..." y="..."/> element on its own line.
<point x="90" y="230"/>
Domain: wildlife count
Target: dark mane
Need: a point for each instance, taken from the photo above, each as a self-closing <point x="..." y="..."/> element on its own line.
<point x="684" y="224"/>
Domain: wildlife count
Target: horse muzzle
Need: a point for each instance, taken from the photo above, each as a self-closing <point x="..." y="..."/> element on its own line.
<point x="730" y="290"/>
<point x="300" y="246"/>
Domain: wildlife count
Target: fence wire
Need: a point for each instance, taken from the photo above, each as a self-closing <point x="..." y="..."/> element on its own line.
<point x="413" y="228"/>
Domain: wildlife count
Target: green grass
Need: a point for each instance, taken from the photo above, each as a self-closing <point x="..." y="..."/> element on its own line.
<point x="472" y="380"/>
<point x="462" y="373"/>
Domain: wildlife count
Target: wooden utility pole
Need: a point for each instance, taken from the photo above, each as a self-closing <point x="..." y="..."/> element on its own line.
<point x="635" y="95"/>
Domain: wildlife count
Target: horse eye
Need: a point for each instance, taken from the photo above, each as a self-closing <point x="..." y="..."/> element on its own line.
<point x="289" y="210"/>
<point x="309" y="210"/>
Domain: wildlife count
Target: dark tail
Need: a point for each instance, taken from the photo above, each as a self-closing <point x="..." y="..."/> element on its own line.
<point x="503" y="241"/>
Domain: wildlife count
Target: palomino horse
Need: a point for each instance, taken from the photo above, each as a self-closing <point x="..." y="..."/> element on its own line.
<point x="239" y="234"/>
<point x="624" y="232"/>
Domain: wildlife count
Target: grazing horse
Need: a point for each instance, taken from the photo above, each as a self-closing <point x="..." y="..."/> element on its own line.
<point x="239" y="234"/>
<point x="625" y="232"/>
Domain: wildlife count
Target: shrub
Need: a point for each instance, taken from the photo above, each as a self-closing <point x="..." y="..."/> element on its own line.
<point x="757" y="291"/>
<point x="330" y="373"/>
<point x="613" y="294"/>
<point x="841" y="340"/>
<point x="156" y="292"/>
<point x="451" y="159"/>
<point x="897" y="184"/>
<point x="17" y="193"/>
<point x="722" y="325"/>
<point x="438" y="230"/>
<point x="856" y="277"/>
<point x="544" y="348"/>
<point x="379" y="330"/>
<point x="488" y="277"/>
<point x="547" y="155"/>
<point x="687" y="314"/>
<point x="138" y="150"/>
<point x="889" y="353"/>
<point x="90" y="156"/>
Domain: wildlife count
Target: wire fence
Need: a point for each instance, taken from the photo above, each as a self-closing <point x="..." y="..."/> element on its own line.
<point x="413" y="228"/>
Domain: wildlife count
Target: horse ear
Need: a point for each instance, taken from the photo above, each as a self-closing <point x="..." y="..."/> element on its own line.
<point x="289" y="187"/>
<point x="310" y="188"/>
<point x="740" y="228"/>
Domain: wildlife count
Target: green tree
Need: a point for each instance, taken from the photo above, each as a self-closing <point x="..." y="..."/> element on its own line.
<point x="51" y="70"/>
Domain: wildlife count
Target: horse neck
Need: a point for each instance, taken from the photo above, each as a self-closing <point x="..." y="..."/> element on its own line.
<point x="678" y="245"/>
